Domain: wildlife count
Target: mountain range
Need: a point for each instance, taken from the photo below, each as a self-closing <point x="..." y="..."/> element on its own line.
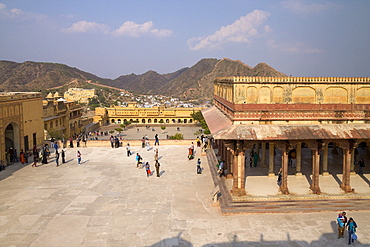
<point x="187" y="83"/>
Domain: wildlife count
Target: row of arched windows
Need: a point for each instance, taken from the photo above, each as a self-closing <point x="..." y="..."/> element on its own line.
<point x="155" y="120"/>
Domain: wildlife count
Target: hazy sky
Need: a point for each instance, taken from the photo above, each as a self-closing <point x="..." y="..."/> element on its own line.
<point x="110" y="38"/>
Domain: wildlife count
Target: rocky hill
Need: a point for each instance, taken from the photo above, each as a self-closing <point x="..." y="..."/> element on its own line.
<point x="191" y="83"/>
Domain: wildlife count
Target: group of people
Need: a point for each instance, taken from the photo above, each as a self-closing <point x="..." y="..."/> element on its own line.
<point x="139" y="163"/>
<point x="145" y="142"/>
<point x="344" y="224"/>
<point x="114" y="142"/>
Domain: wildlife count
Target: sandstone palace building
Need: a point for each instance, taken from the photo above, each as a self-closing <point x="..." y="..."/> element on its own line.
<point x="62" y="118"/>
<point x="143" y="115"/>
<point x="266" y="114"/>
<point x="21" y="122"/>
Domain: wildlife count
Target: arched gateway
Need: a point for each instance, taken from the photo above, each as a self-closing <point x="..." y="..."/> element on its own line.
<point x="11" y="134"/>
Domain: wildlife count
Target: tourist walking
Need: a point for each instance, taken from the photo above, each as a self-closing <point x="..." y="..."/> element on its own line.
<point x="57" y="158"/>
<point x="341" y="226"/>
<point x="55" y="146"/>
<point x="84" y="140"/>
<point x="70" y="142"/>
<point x="190" y="154"/>
<point x="351" y="228"/>
<point x="15" y="156"/>
<point x="192" y="147"/>
<point x="128" y="150"/>
<point x="199" y="169"/>
<point x="63" y="157"/>
<point x="361" y="165"/>
<point x="45" y="151"/>
<point x="156" y="140"/>
<point x="221" y="168"/>
<point x="147" y="169"/>
<point x="79" y="157"/>
<point x="147" y="144"/>
<point x="21" y="157"/>
<point x="157" y="165"/>
<point x="143" y="142"/>
<point x="138" y="160"/>
<point x="255" y="159"/>
<point x="198" y="142"/>
<point x="78" y="142"/>
<point x="35" y="158"/>
<point x="156" y="154"/>
<point x="280" y="178"/>
<point x="111" y="139"/>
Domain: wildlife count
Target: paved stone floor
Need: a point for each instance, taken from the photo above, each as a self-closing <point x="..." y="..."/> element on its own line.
<point x="107" y="201"/>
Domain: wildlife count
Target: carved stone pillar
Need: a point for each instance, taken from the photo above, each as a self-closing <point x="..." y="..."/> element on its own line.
<point x="230" y="162"/>
<point x="299" y="159"/>
<point x="263" y="158"/>
<point x="239" y="170"/>
<point x="271" y="159"/>
<point x="355" y="145"/>
<point x="346" y="185"/>
<point x="284" y="161"/>
<point x="315" y="187"/>
<point x="222" y="147"/>
<point x="325" y="158"/>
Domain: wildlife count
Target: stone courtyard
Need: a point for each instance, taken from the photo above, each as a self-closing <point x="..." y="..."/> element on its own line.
<point x="108" y="201"/>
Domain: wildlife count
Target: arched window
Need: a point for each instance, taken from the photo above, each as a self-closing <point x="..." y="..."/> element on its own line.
<point x="51" y="125"/>
<point x="155" y="120"/>
<point x="167" y="121"/>
<point x="185" y="121"/>
<point x="173" y="121"/>
<point x="149" y="121"/>
<point x="112" y="121"/>
<point x="143" y="121"/>
<point x="190" y="120"/>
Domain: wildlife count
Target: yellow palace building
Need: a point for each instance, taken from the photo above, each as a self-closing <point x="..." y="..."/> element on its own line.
<point x="21" y="121"/>
<point x="143" y="115"/>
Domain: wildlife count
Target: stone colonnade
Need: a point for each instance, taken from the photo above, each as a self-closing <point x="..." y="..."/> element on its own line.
<point x="233" y="153"/>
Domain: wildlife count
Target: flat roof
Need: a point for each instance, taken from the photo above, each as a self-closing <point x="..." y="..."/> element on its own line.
<point x="222" y="128"/>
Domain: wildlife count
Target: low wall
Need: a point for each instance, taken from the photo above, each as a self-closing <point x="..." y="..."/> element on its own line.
<point x="106" y="143"/>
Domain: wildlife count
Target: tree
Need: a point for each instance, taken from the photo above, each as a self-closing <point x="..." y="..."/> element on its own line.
<point x="127" y="123"/>
<point x="198" y="116"/>
<point x="177" y="136"/>
<point x="118" y="129"/>
<point x="163" y="128"/>
<point x="55" y="134"/>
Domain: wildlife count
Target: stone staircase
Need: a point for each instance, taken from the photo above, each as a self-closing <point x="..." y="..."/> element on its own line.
<point x="286" y="204"/>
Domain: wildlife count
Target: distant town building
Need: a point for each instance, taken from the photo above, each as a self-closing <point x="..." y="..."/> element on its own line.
<point x="21" y="122"/>
<point x="80" y="95"/>
<point x="144" y="115"/>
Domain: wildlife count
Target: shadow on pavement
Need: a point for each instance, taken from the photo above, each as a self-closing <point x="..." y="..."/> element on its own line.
<point x="327" y="239"/>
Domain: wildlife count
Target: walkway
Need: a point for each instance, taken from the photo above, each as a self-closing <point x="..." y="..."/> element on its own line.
<point x="107" y="201"/>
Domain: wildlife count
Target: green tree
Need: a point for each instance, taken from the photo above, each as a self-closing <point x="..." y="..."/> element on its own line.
<point x="198" y="116"/>
<point x="118" y="129"/>
<point x="127" y="123"/>
<point x="55" y="134"/>
<point x="177" y="136"/>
